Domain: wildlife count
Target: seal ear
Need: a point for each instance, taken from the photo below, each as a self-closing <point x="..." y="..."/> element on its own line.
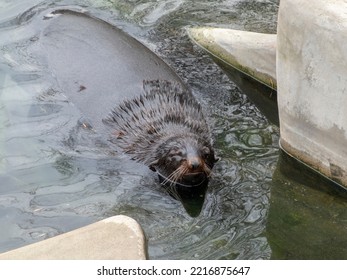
<point x="216" y="159"/>
<point x="152" y="164"/>
<point x="152" y="168"/>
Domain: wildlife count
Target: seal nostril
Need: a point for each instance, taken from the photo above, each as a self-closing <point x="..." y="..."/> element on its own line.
<point x="194" y="164"/>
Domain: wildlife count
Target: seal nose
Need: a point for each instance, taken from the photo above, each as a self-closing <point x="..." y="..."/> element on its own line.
<point x="194" y="163"/>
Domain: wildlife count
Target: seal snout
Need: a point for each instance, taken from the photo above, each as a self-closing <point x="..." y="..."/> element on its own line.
<point x="194" y="163"/>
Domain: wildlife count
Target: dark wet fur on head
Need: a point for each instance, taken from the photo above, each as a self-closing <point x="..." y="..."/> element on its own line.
<point x="155" y="125"/>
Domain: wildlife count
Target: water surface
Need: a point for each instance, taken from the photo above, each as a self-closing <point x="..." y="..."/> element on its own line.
<point x="56" y="175"/>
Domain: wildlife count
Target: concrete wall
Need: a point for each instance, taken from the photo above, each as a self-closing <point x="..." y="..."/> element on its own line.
<point x="312" y="83"/>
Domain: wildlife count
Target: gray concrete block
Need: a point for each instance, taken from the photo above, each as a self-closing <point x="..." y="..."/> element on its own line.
<point x="115" y="238"/>
<point x="252" y="53"/>
<point x="312" y="83"/>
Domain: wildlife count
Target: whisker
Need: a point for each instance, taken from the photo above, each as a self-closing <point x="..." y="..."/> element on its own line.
<point x="180" y="171"/>
<point x="173" y="192"/>
<point x="169" y="178"/>
<point x="175" y="175"/>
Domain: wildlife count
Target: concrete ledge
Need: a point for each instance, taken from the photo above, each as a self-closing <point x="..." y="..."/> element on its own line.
<point x="115" y="238"/>
<point x="254" y="54"/>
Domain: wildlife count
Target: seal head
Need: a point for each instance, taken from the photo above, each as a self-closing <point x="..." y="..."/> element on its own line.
<point x="184" y="159"/>
<point x="165" y="129"/>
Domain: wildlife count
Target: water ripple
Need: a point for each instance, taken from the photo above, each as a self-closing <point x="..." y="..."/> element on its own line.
<point x="65" y="176"/>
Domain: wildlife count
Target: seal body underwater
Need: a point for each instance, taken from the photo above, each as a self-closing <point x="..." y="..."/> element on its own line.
<point x="164" y="128"/>
<point x="98" y="66"/>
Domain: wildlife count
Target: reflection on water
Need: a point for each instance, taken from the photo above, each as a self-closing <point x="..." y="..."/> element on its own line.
<point x="57" y="175"/>
<point x="307" y="217"/>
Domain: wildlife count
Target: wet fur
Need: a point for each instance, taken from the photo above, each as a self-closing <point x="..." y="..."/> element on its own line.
<point x="142" y="125"/>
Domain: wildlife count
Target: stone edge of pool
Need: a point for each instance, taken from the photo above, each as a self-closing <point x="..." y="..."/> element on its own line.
<point x="253" y="54"/>
<point x="116" y="238"/>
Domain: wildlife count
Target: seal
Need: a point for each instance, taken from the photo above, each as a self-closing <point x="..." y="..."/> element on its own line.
<point x="164" y="128"/>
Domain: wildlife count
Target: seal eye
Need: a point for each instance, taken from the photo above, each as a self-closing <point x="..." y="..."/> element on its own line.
<point x="177" y="158"/>
<point x="175" y="151"/>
